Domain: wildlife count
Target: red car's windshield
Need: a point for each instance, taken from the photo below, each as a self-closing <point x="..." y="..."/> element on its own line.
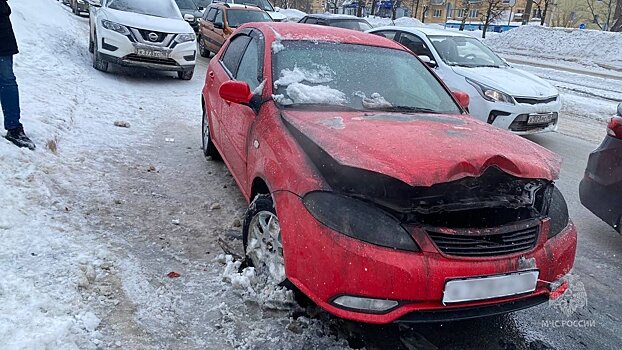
<point x="306" y="72"/>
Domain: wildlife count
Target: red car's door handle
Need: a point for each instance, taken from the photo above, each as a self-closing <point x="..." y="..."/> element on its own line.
<point x="211" y="74"/>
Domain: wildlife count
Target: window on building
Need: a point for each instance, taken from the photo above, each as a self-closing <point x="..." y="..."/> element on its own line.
<point x="438" y="13"/>
<point x="473" y="13"/>
<point x="460" y="13"/>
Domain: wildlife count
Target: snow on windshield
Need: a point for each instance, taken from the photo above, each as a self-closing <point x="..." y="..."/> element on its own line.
<point x="156" y="8"/>
<point x="298" y="92"/>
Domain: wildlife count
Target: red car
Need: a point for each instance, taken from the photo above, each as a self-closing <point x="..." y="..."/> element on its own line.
<point x="371" y="189"/>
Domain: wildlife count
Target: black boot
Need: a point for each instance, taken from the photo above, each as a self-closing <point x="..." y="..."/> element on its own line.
<point x="20" y="139"/>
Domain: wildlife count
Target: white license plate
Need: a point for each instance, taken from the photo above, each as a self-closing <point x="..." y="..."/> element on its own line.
<point x="540" y="118"/>
<point x="490" y="287"/>
<point x="151" y="53"/>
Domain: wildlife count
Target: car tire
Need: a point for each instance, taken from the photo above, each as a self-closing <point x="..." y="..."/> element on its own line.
<point x="91" y="45"/>
<point x="204" y="52"/>
<point x="185" y="74"/>
<point x="209" y="150"/>
<point x="98" y="62"/>
<point x="261" y="237"/>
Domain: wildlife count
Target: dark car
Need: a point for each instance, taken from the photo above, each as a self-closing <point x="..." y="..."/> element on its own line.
<point x="341" y="21"/>
<point x="191" y="13"/>
<point x="601" y="188"/>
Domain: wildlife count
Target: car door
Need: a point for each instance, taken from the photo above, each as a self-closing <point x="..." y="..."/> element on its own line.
<point x="237" y="119"/>
<point x="415" y="44"/>
<point x="206" y="29"/>
<point x="218" y="73"/>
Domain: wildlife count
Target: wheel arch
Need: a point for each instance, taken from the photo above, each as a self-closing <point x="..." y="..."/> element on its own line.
<point x="259" y="186"/>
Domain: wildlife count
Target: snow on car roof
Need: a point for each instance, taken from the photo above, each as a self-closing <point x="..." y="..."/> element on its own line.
<point x="297" y="31"/>
<point x="423" y="30"/>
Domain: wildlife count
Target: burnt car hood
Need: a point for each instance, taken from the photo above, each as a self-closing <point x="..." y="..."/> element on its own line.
<point x="422" y="149"/>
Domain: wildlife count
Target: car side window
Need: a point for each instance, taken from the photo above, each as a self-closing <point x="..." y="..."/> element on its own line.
<point x="218" y="18"/>
<point x="415" y="44"/>
<point x="233" y="54"/>
<point x="249" y="65"/>
<point x="311" y="21"/>
<point x="211" y="15"/>
<point x="389" y="34"/>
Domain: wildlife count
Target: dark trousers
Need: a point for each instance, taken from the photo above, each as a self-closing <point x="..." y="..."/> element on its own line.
<point x="9" y="95"/>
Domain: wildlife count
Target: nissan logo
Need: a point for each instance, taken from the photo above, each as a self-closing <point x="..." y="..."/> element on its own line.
<point x="153" y="36"/>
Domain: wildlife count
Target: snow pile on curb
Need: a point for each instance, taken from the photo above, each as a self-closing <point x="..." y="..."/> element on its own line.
<point x="293" y="15"/>
<point x="588" y="47"/>
<point x="400" y="22"/>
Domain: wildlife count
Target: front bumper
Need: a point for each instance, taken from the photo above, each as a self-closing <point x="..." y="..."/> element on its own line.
<point x="325" y="264"/>
<point x="122" y="50"/>
<point x="513" y="117"/>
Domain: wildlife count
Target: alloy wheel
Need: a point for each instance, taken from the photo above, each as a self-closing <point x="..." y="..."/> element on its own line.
<point x="265" y="248"/>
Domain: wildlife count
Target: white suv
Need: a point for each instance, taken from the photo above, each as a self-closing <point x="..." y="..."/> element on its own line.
<point x="141" y="33"/>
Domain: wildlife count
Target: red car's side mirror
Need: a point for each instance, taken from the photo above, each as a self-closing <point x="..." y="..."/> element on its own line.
<point x="236" y="92"/>
<point x="462" y="97"/>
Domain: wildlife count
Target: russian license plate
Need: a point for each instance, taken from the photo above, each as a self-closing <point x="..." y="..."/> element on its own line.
<point x="540" y="118"/>
<point x="490" y="287"/>
<point x="153" y="53"/>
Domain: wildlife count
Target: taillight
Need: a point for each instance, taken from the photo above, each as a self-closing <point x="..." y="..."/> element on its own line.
<point x="615" y="127"/>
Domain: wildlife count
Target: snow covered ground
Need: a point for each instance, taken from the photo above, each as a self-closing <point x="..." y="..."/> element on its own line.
<point x="94" y="222"/>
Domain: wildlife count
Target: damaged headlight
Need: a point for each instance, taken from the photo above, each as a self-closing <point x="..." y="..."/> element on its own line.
<point x="491" y="94"/>
<point x="558" y="212"/>
<point x="358" y="219"/>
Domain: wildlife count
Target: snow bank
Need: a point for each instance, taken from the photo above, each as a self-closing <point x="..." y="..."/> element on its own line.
<point x="402" y="22"/>
<point x="293" y="15"/>
<point x="588" y="47"/>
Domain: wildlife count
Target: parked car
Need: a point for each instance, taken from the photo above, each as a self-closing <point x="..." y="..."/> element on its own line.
<point x="144" y="34"/>
<point x="220" y="20"/>
<point x="341" y="21"/>
<point x="500" y="94"/>
<point x="274" y="12"/>
<point x="78" y="6"/>
<point x="370" y="188"/>
<point x="601" y="188"/>
<point x="190" y="12"/>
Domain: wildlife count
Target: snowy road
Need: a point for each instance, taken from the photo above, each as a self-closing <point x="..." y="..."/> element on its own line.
<point x="95" y="221"/>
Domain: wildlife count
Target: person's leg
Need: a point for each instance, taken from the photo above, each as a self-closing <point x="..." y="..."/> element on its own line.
<point x="9" y="95"/>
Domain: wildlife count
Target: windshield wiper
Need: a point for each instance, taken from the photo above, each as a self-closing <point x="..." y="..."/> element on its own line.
<point x="409" y="109"/>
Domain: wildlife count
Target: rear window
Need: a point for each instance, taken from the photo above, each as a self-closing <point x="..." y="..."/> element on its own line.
<point x="156" y="8"/>
<point x="236" y="18"/>
<point x="361" y="26"/>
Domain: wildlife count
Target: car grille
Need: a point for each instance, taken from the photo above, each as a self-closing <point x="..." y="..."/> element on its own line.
<point x="535" y="101"/>
<point x="145" y="35"/>
<point x="136" y="58"/>
<point x="486" y="245"/>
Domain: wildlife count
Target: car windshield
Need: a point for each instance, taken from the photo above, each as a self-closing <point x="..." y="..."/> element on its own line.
<point x="236" y="18"/>
<point x="186" y="4"/>
<point x="351" y="24"/>
<point x="337" y="74"/>
<point x="156" y="8"/>
<point x="465" y="52"/>
<point x="262" y="4"/>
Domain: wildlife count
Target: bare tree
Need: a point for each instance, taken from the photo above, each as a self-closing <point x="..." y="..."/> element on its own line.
<point x="359" y="9"/>
<point x="527" y="13"/>
<point x="394" y="5"/>
<point x="617" y="18"/>
<point x="543" y="7"/>
<point x="333" y="5"/>
<point x="466" y="9"/>
<point x="600" y="9"/>
<point x="414" y="8"/>
<point x="494" y="11"/>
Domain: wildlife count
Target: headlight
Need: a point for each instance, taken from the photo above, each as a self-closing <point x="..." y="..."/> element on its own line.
<point x="115" y="27"/>
<point x="558" y="212"/>
<point x="184" y="38"/>
<point x="358" y="219"/>
<point x="491" y="94"/>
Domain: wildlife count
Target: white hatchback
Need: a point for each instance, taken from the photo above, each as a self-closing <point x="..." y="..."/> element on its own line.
<point x="142" y="33"/>
<point x="501" y="95"/>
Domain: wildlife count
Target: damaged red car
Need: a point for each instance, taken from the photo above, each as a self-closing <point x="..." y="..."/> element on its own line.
<point x="371" y="189"/>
